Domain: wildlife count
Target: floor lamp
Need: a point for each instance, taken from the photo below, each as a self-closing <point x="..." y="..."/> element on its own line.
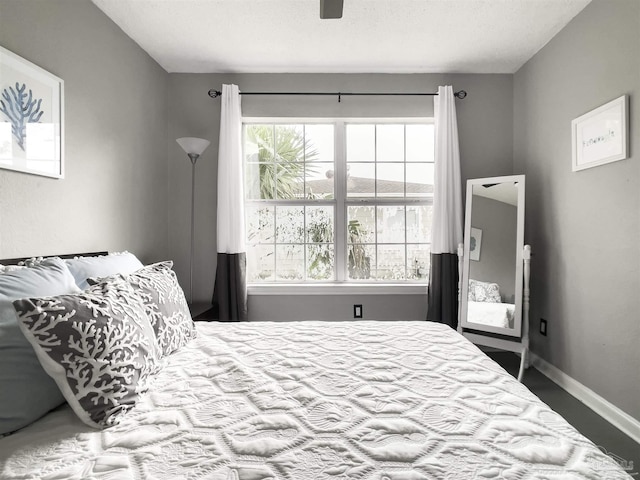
<point x="194" y="148"/>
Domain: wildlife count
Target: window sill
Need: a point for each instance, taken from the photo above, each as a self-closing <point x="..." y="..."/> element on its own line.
<point x="338" y="289"/>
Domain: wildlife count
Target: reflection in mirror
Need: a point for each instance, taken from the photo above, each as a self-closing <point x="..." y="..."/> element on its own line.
<point x="492" y="270"/>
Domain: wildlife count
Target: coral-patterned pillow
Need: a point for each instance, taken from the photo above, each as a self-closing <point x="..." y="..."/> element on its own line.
<point x="97" y="345"/>
<point x="164" y="302"/>
<point x="484" y="291"/>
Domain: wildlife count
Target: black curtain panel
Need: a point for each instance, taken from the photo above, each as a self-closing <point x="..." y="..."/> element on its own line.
<point x="443" y="289"/>
<point x="230" y="290"/>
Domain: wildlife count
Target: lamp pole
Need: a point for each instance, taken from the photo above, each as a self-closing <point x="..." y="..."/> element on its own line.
<point x="193" y="147"/>
<point x="194" y="158"/>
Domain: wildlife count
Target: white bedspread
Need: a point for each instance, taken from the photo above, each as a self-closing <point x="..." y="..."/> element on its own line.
<point x="314" y="401"/>
<point x="489" y="313"/>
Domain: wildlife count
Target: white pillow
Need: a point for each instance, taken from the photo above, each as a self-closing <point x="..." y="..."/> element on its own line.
<point x="103" y="266"/>
<point x="26" y="391"/>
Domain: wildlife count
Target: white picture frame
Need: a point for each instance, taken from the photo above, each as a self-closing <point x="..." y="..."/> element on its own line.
<point x="600" y="136"/>
<point x="31" y="118"/>
<point x="475" y="243"/>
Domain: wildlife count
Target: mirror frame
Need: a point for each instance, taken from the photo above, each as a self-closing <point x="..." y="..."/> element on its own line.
<point x="464" y="286"/>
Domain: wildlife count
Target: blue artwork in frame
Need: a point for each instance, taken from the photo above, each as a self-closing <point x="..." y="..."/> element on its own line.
<point x="475" y="242"/>
<point x="31" y="118"/>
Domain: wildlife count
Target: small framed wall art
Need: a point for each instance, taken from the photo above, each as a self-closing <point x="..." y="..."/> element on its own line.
<point x="600" y="136"/>
<point x="475" y="242"/>
<point x="31" y="118"/>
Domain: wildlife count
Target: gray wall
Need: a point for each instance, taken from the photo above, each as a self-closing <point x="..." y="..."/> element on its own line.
<point x="497" y="264"/>
<point x="584" y="227"/>
<point x="114" y="194"/>
<point x="485" y="126"/>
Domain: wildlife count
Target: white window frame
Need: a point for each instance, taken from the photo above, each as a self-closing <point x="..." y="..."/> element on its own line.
<point x="341" y="285"/>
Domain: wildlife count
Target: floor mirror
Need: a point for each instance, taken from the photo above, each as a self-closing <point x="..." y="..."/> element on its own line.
<point x="495" y="266"/>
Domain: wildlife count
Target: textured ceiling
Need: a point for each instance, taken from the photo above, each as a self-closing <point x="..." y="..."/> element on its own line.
<point x="394" y="36"/>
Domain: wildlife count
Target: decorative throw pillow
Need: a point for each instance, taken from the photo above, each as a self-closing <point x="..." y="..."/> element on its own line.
<point x="102" y="266"/>
<point x="471" y="295"/>
<point x="26" y="391"/>
<point x="98" y="345"/>
<point x="485" y="291"/>
<point x="165" y="304"/>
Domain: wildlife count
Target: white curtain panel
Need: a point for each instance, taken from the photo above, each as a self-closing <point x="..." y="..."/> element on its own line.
<point x="231" y="233"/>
<point x="447" y="196"/>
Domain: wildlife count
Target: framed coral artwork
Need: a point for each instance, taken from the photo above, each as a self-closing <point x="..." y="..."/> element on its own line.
<point x="31" y="118"/>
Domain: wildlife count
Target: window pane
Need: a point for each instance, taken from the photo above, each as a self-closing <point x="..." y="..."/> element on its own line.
<point x="360" y="261"/>
<point x="418" y="261"/>
<point x="390" y="224"/>
<point x="319" y="143"/>
<point x="320" y="262"/>
<point x="361" y="143"/>
<point x="361" y="180"/>
<point x="289" y="224"/>
<point x="419" y="179"/>
<point x="390" y="143"/>
<point x="420" y="147"/>
<point x="290" y="180"/>
<point x="361" y="223"/>
<point x="258" y="143"/>
<point x="261" y="262"/>
<point x="289" y="143"/>
<point x="260" y="224"/>
<point x="390" y="181"/>
<point x="319" y="180"/>
<point x="289" y="262"/>
<point x="319" y="225"/>
<point x="259" y="169"/>
<point x="419" y="219"/>
<point x="255" y="187"/>
<point x="391" y="262"/>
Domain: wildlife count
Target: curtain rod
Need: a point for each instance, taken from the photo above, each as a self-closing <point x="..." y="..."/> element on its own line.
<point x="460" y="94"/>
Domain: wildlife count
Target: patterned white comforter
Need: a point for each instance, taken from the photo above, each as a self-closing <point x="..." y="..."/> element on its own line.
<point x="315" y="401"/>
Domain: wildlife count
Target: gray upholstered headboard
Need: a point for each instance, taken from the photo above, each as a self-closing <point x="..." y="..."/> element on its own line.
<point x="16" y="261"/>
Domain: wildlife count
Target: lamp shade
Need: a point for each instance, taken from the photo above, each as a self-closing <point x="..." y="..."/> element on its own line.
<point x="192" y="145"/>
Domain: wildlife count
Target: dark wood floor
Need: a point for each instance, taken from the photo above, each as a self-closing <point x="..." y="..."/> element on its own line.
<point x="585" y="420"/>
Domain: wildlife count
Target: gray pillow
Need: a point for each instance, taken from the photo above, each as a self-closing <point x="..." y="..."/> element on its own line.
<point x="484" y="291"/>
<point x="165" y="304"/>
<point x="26" y="391"/>
<point x="98" y="345"/>
<point x="102" y="266"/>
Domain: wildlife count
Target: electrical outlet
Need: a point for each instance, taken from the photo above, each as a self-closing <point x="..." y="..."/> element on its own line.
<point x="357" y="311"/>
<point x="543" y="327"/>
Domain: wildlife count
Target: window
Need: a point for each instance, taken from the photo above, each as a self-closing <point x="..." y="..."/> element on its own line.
<point x="338" y="201"/>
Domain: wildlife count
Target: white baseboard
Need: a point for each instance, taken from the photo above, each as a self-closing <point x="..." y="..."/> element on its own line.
<point x="591" y="399"/>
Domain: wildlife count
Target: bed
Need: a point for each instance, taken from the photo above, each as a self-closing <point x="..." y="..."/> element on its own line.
<point x="310" y="400"/>
<point x="492" y="314"/>
<point x="486" y="305"/>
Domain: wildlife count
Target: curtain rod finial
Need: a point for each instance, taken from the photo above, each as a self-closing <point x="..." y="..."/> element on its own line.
<point x="214" y="93"/>
<point x="461" y="94"/>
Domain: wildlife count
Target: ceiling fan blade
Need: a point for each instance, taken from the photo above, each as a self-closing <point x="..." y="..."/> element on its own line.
<point x="331" y="8"/>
